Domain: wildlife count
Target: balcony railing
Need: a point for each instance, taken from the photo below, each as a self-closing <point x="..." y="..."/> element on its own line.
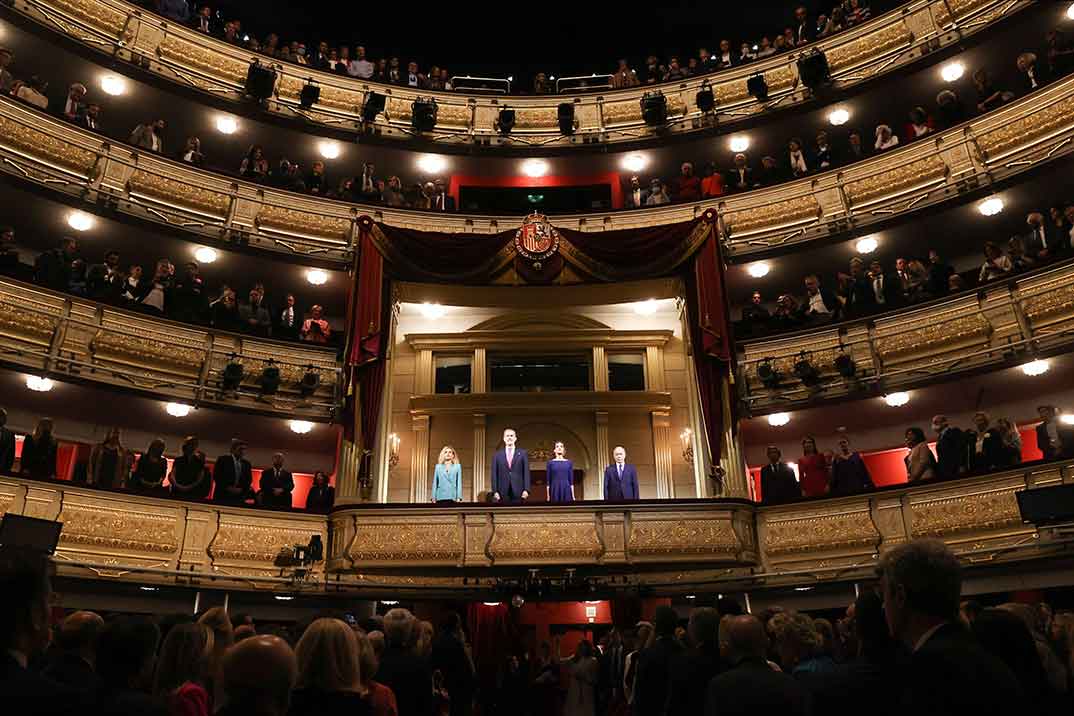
<point x="671" y="545"/>
<point x="1002" y="324"/>
<point x="1034" y="131"/>
<point x="883" y="45"/>
<point x="47" y="333"/>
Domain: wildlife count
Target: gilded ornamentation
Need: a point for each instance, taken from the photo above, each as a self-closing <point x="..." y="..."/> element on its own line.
<point x="819" y="532"/>
<point x="772" y="216"/>
<point x="213" y="64"/>
<point x="43" y="146"/>
<point x="400" y="109"/>
<point x="258" y="542"/>
<point x="153" y="353"/>
<point x="897" y="181"/>
<point x="96" y="14"/>
<point x="305" y="223"/>
<point x="23" y="323"/>
<point x="866" y="48"/>
<point x="944" y="332"/>
<point x="962" y="513"/>
<point x="545" y="540"/>
<point x="406" y="542"/>
<point x="536" y="118"/>
<point x="650" y="538"/>
<point x="104" y="527"/>
<point x="1046" y="307"/>
<point x="958" y="7"/>
<point x="1055" y="118"/>
<point x="179" y="194"/>
<point x="624" y="112"/>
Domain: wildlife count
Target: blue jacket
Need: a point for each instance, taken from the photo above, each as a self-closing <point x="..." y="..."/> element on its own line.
<point x="447" y="482"/>
<point x="616" y="489"/>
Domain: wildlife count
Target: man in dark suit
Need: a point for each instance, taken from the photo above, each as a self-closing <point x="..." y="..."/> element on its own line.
<point x="750" y="686"/>
<point x="654" y="665"/>
<point x="949" y="673"/>
<point x="277" y="484"/>
<point x="7" y="444"/>
<point x="885" y="287"/>
<point x="288" y="320"/>
<point x="73" y="653"/>
<point x="510" y="471"/>
<point x="205" y="22"/>
<point x="950" y="449"/>
<point x="233" y="476"/>
<point x="692" y="669"/>
<point x="53" y="268"/>
<point x="620" y="479"/>
<point x="406" y="673"/>
<point x="778" y="483"/>
<point x="821" y="305"/>
<point x="1055" y="439"/>
<point x="1044" y="240"/>
<point x="441" y="200"/>
<point x="805" y="29"/>
<point x="740" y="177"/>
<point x="635" y="195"/>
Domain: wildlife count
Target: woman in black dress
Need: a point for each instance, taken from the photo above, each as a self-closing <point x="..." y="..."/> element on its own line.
<point x="38" y="461"/>
<point x="148" y="475"/>
<point x="321" y="495"/>
<point x="189" y="478"/>
<point x="109" y="462"/>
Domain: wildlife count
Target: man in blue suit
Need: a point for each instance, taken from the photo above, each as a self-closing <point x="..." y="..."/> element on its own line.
<point x="620" y="479"/>
<point x="510" y="471"/>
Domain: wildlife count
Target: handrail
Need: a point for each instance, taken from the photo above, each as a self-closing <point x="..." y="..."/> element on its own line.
<point x="889" y="41"/>
<point x="1026" y="133"/>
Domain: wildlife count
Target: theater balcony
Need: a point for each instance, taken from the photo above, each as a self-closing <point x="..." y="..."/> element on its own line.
<point x="216" y="72"/>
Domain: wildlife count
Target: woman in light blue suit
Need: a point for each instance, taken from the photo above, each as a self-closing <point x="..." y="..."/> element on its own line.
<point x="447" y="478"/>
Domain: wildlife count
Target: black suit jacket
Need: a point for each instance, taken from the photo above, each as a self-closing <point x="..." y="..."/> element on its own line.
<point x="620" y="488"/>
<point x="320" y="499"/>
<point x="950" y="453"/>
<point x="691" y="672"/>
<point x="7" y="450"/>
<point x="1055" y="241"/>
<point x="991" y="455"/>
<point x="270" y="481"/>
<point x="71" y="670"/>
<point x="652" y="676"/>
<point x="778" y="484"/>
<point x="952" y="675"/>
<point x="734" y="182"/>
<point x="1065" y="448"/>
<point x="410" y="678"/>
<point x="938" y="284"/>
<point x="229" y="472"/>
<point x="511" y="482"/>
<point x="753" y="687"/>
<point x="28" y="693"/>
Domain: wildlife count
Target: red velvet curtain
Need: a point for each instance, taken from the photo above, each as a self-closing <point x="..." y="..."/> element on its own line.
<point x="710" y="336"/>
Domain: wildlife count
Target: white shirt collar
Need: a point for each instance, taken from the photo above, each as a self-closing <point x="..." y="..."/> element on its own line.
<point x="928" y="635"/>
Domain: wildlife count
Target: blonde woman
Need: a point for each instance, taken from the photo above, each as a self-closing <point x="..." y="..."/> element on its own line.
<point x="447" y="477"/>
<point x="381" y="699"/>
<point x="329" y="671"/>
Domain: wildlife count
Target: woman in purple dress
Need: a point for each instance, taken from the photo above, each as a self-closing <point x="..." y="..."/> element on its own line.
<point x="560" y="472"/>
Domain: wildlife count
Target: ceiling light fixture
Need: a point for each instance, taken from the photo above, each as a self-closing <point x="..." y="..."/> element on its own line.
<point x="301" y="427"/>
<point x="329" y="149"/>
<point x="739" y="143"/>
<point x="778" y="420"/>
<point x="38" y="384"/>
<point x="1070" y="12"/>
<point x="1036" y="367"/>
<point x="205" y="255"/>
<point x="1067" y="418"/>
<point x="866" y="245"/>
<point x="80" y="221"/>
<point x="759" y="269"/>
<point x="432" y="163"/>
<point x="991" y="206"/>
<point x="897" y="400"/>
<point x="491" y="604"/>
<point x="389" y="602"/>
<point x="646" y="308"/>
<point x="635" y="162"/>
<point x="177" y="410"/>
<point x="283" y="597"/>
<point x="226" y="124"/>
<point x="535" y="168"/>
<point x="432" y="311"/>
<point x="952" y="71"/>
<point x="317" y="277"/>
<point x="838" y="117"/>
<point x="113" y="85"/>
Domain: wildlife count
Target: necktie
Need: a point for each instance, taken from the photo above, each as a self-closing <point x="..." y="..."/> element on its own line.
<point x="620" y="471"/>
<point x="1043" y="238"/>
<point x="510" y="456"/>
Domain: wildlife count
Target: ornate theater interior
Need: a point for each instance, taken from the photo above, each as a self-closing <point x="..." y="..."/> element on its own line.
<point x="215" y="258"/>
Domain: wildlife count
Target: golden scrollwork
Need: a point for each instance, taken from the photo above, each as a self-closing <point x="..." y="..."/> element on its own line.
<point x="261" y="542"/>
<point x="820" y="532"/>
<point x="943" y="332"/>
<point x="663" y="537"/>
<point x="151" y="353"/>
<point x="306" y="223"/>
<point x="96" y="525"/>
<point x="898" y="180"/>
<point x="214" y="64"/>
<point x="958" y="7"/>
<point x="1045" y="121"/>
<point x="942" y="517"/>
<point x="865" y="48"/>
<point x="545" y="540"/>
<point x="96" y="14"/>
<point x="536" y="118"/>
<point x="40" y="144"/>
<point x="784" y="213"/>
<point x="24" y="325"/>
<point x="178" y="193"/>
<point x="1046" y="307"/>
<point x="406" y="542"/>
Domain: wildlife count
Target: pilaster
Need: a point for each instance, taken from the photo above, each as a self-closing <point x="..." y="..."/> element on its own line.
<point x="662" y="447"/>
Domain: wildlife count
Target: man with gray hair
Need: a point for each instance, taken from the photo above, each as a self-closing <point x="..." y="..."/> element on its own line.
<point x="949" y="673"/>
<point x="750" y="686"/>
<point x="401" y="669"/>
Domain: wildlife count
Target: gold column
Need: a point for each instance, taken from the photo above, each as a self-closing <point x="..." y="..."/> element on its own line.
<point x="420" y="477"/>
<point x="478" y="372"/>
<point x="594" y="484"/>
<point x="662" y="452"/>
<point x="480" y="459"/>
<point x="423" y="373"/>
<point x="347" y="472"/>
<point x="655" y="379"/>
<point x="735" y="481"/>
<point x="600" y="369"/>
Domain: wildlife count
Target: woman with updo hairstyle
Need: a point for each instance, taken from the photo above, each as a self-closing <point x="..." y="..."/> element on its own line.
<point x="329" y="672"/>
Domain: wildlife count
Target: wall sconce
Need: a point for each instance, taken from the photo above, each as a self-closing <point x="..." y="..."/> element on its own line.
<point x="686" y="437"/>
<point x="393" y="450"/>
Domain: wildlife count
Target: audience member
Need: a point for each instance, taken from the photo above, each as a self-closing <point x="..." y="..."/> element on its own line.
<point x="126" y="658"/>
<point x="691" y="670"/>
<point x="38" y="460"/>
<point x="404" y="672"/>
<point x="190" y="476"/>
<point x="321" y="496"/>
<point x="778" y="481"/>
<point x="1055" y="438"/>
<point x="654" y="665"/>
<point x="329" y="671"/>
<point x="256" y="677"/>
<point x="72" y="656"/>
<point x="315" y="329"/>
<point x="813" y="477"/>
<point x="184" y="670"/>
<point x="152" y="466"/>
<point x="7" y="445"/>
<point x="233" y="476"/>
<point x="148" y="136"/>
<point x="950" y="449"/>
<point x="920" y="464"/>
<point x="451" y="658"/>
<point x="109" y="463"/>
<point x="849" y="473"/>
<point x="277" y="484"/>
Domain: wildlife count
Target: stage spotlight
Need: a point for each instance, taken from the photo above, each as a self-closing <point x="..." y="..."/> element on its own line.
<point x="260" y="81"/>
<point x="654" y="109"/>
<point x="778" y="420"/>
<point x="705" y="99"/>
<point x="310" y="94"/>
<point x="373" y="105"/>
<point x="805" y="371"/>
<point x="846" y="366"/>
<point x="505" y="122"/>
<point x="769" y="375"/>
<point x="565" y="114"/>
<point x="423" y="114"/>
<point x="757" y="87"/>
<point x="311" y="381"/>
<point x="232" y="375"/>
<point x="813" y="70"/>
<point x="269" y="379"/>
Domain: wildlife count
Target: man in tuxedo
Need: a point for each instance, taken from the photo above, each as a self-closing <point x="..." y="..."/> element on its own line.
<point x="510" y="471"/>
<point x="277" y="484"/>
<point x="750" y="686"/>
<point x="805" y="30"/>
<point x="620" y="479"/>
<point x="886" y="289"/>
<point x="1044" y="239"/>
<point x="441" y="200"/>
<point x="7" y="444"/>
<point x="778" y="483"/>
<point x="1054" y="439"/>
<point x="950" y="449"/>
<point x="949" y="673"/>
<point x="634" y="197"/>
<point x="288" y="320"/>
<point x="233" y="476"/>
<point x="821" y="305"/>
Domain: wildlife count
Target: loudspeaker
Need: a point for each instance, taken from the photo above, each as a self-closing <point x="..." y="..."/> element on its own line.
<point x="506" y="121"/>
<point x="706" y="100"/>
<point x="310" y="94"/>
<point x="29" y="533"/>
<point x="654" y="109"/>
<point x="565" y="114"/>
<point x="373" y="105"/>
<point x="423" y="114"/>
<point x="757" y="87"/>
<point x="1047" y="505"/>
<point x="260" y="81"/>
<point x="813" y="70"/>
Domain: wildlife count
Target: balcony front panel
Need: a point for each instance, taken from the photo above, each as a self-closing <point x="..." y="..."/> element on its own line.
<point x="880" y="47"/>
<point x="44" y="332"/>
